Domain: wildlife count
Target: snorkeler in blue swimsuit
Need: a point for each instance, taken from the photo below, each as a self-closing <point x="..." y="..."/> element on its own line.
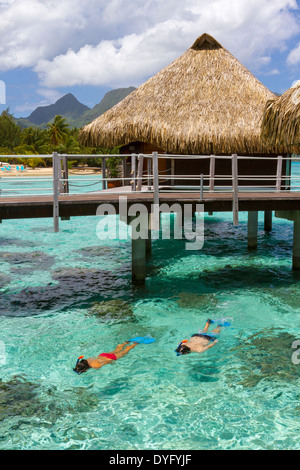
<point x="200" y="342"/>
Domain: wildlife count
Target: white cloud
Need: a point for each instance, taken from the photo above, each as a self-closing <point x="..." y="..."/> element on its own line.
<point x="48" y="95"/>
<point x="294" y="56"/>
<point x="273" y="72"/>
<point x="2" y="92"/>
<point x="122" y="42"/>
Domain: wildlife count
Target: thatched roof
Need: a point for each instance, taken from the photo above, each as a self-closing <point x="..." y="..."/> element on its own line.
<point x="204" y="102"/>
<point x="281" y="123"/>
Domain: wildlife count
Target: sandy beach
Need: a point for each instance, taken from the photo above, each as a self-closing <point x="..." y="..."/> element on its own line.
<point x="41" y="172"/>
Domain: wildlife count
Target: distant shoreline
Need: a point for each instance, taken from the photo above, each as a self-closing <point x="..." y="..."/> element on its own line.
<point x="40" y="172"/>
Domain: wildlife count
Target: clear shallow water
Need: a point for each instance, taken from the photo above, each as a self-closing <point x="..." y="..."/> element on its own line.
<point x="241" y="394"/>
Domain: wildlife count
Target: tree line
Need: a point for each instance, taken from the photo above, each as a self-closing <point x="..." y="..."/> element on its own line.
<point x="58" y="137"/>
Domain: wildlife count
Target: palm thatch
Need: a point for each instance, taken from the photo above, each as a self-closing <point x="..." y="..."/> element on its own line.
<point x="204" y="102"/>
<point x="281" y="122"/>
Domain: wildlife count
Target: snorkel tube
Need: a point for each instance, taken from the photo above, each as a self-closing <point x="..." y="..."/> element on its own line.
<point x="176" y="350"/>
<point x="80" y="357"/>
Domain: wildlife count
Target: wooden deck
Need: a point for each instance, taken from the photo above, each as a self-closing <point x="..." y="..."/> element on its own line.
<point x="86" y="204"/>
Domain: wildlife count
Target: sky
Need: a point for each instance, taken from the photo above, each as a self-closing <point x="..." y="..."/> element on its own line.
<point x="50" y="48"/>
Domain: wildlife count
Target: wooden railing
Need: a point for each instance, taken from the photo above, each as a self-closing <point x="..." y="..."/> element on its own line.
<point x="145" y="176"/>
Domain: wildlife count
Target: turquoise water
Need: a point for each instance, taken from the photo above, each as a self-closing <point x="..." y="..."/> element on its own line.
<point x="241" y="394"/>
<point x="43" y="185"/>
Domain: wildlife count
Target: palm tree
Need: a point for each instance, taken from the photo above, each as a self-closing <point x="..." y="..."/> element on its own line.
<point x="35" y="140"/>
<point x="58" y="130"/>
<point x="69" y="146"/>
<point x="10" y="132"/>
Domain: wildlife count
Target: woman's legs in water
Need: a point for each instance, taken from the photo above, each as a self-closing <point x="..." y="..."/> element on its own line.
<point x="119" y="347"/>
<point x="125" y="350"/>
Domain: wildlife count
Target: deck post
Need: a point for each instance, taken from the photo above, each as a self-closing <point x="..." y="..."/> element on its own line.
<point x="155" y="215"/>
<point x="133" y="172"/>
<point x="65" y="182"/>
<point x="60" y="174"/>
<point x="201" y="187"/>
<point x="140" y="171"/>
<point x="212" y="173"/>
<point x="104" y="184"/>
<point x="296" y="245"/>
<point x="212" y="166"/>
<point x="235" y="190"/>
<point x="149" y="162"/>
<point x="65" y="174"/>
<point x="279" y="173"/>
<point x="172" y="182"/>
<point x="268" y="221"/>
<point x="252" y="229"/>
<point x="55" y="168"/>
<point x="124" y="182"/>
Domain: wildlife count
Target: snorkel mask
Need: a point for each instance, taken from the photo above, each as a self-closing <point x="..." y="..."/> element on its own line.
<point x="80" y="357"/>
<point x="177" y="350"/>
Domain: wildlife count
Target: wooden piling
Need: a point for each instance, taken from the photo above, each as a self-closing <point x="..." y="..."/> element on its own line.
<point x="252" y="229"/>
<point x="268" y="221"/>
<point x="138" y="251"/>
<point x="296" y="245"/>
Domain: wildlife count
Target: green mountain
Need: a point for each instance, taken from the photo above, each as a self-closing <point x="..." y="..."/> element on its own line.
<point x="67" y="106"/>
<point x="75" y="113"/>
<point x="109" y="100"/>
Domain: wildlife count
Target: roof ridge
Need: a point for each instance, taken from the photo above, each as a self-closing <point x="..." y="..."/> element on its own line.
<point x="206" y="42"/>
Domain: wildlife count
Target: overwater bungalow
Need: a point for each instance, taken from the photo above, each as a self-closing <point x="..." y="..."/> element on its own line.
<point x="204" y="103"/>
<point x="281" y="122"/>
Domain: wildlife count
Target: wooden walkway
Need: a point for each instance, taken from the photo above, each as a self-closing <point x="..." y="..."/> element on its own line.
<point x="87" y="204"/>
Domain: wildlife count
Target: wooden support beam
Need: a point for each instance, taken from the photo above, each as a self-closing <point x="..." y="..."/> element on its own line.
<point x="296" y="245"/>
<point x="268" y="221"/>
<point x="149" y="240"/>
<point x="252" y="229"/>
<point x="138" y="261"/>
<point x="138" y="253"/>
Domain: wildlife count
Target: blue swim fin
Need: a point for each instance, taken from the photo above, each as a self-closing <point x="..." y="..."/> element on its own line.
<point x="142" y="339"/>
<point x="221" y="322"/>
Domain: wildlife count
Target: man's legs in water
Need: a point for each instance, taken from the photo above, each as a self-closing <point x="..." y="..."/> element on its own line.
<point x="217" y="330"/>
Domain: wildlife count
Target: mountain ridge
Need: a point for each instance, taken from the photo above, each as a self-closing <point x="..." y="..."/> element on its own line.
<point x="75" y="113"/>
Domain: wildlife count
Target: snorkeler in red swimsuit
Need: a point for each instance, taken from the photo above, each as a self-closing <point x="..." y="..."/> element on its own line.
<point x="121" y="350"/>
